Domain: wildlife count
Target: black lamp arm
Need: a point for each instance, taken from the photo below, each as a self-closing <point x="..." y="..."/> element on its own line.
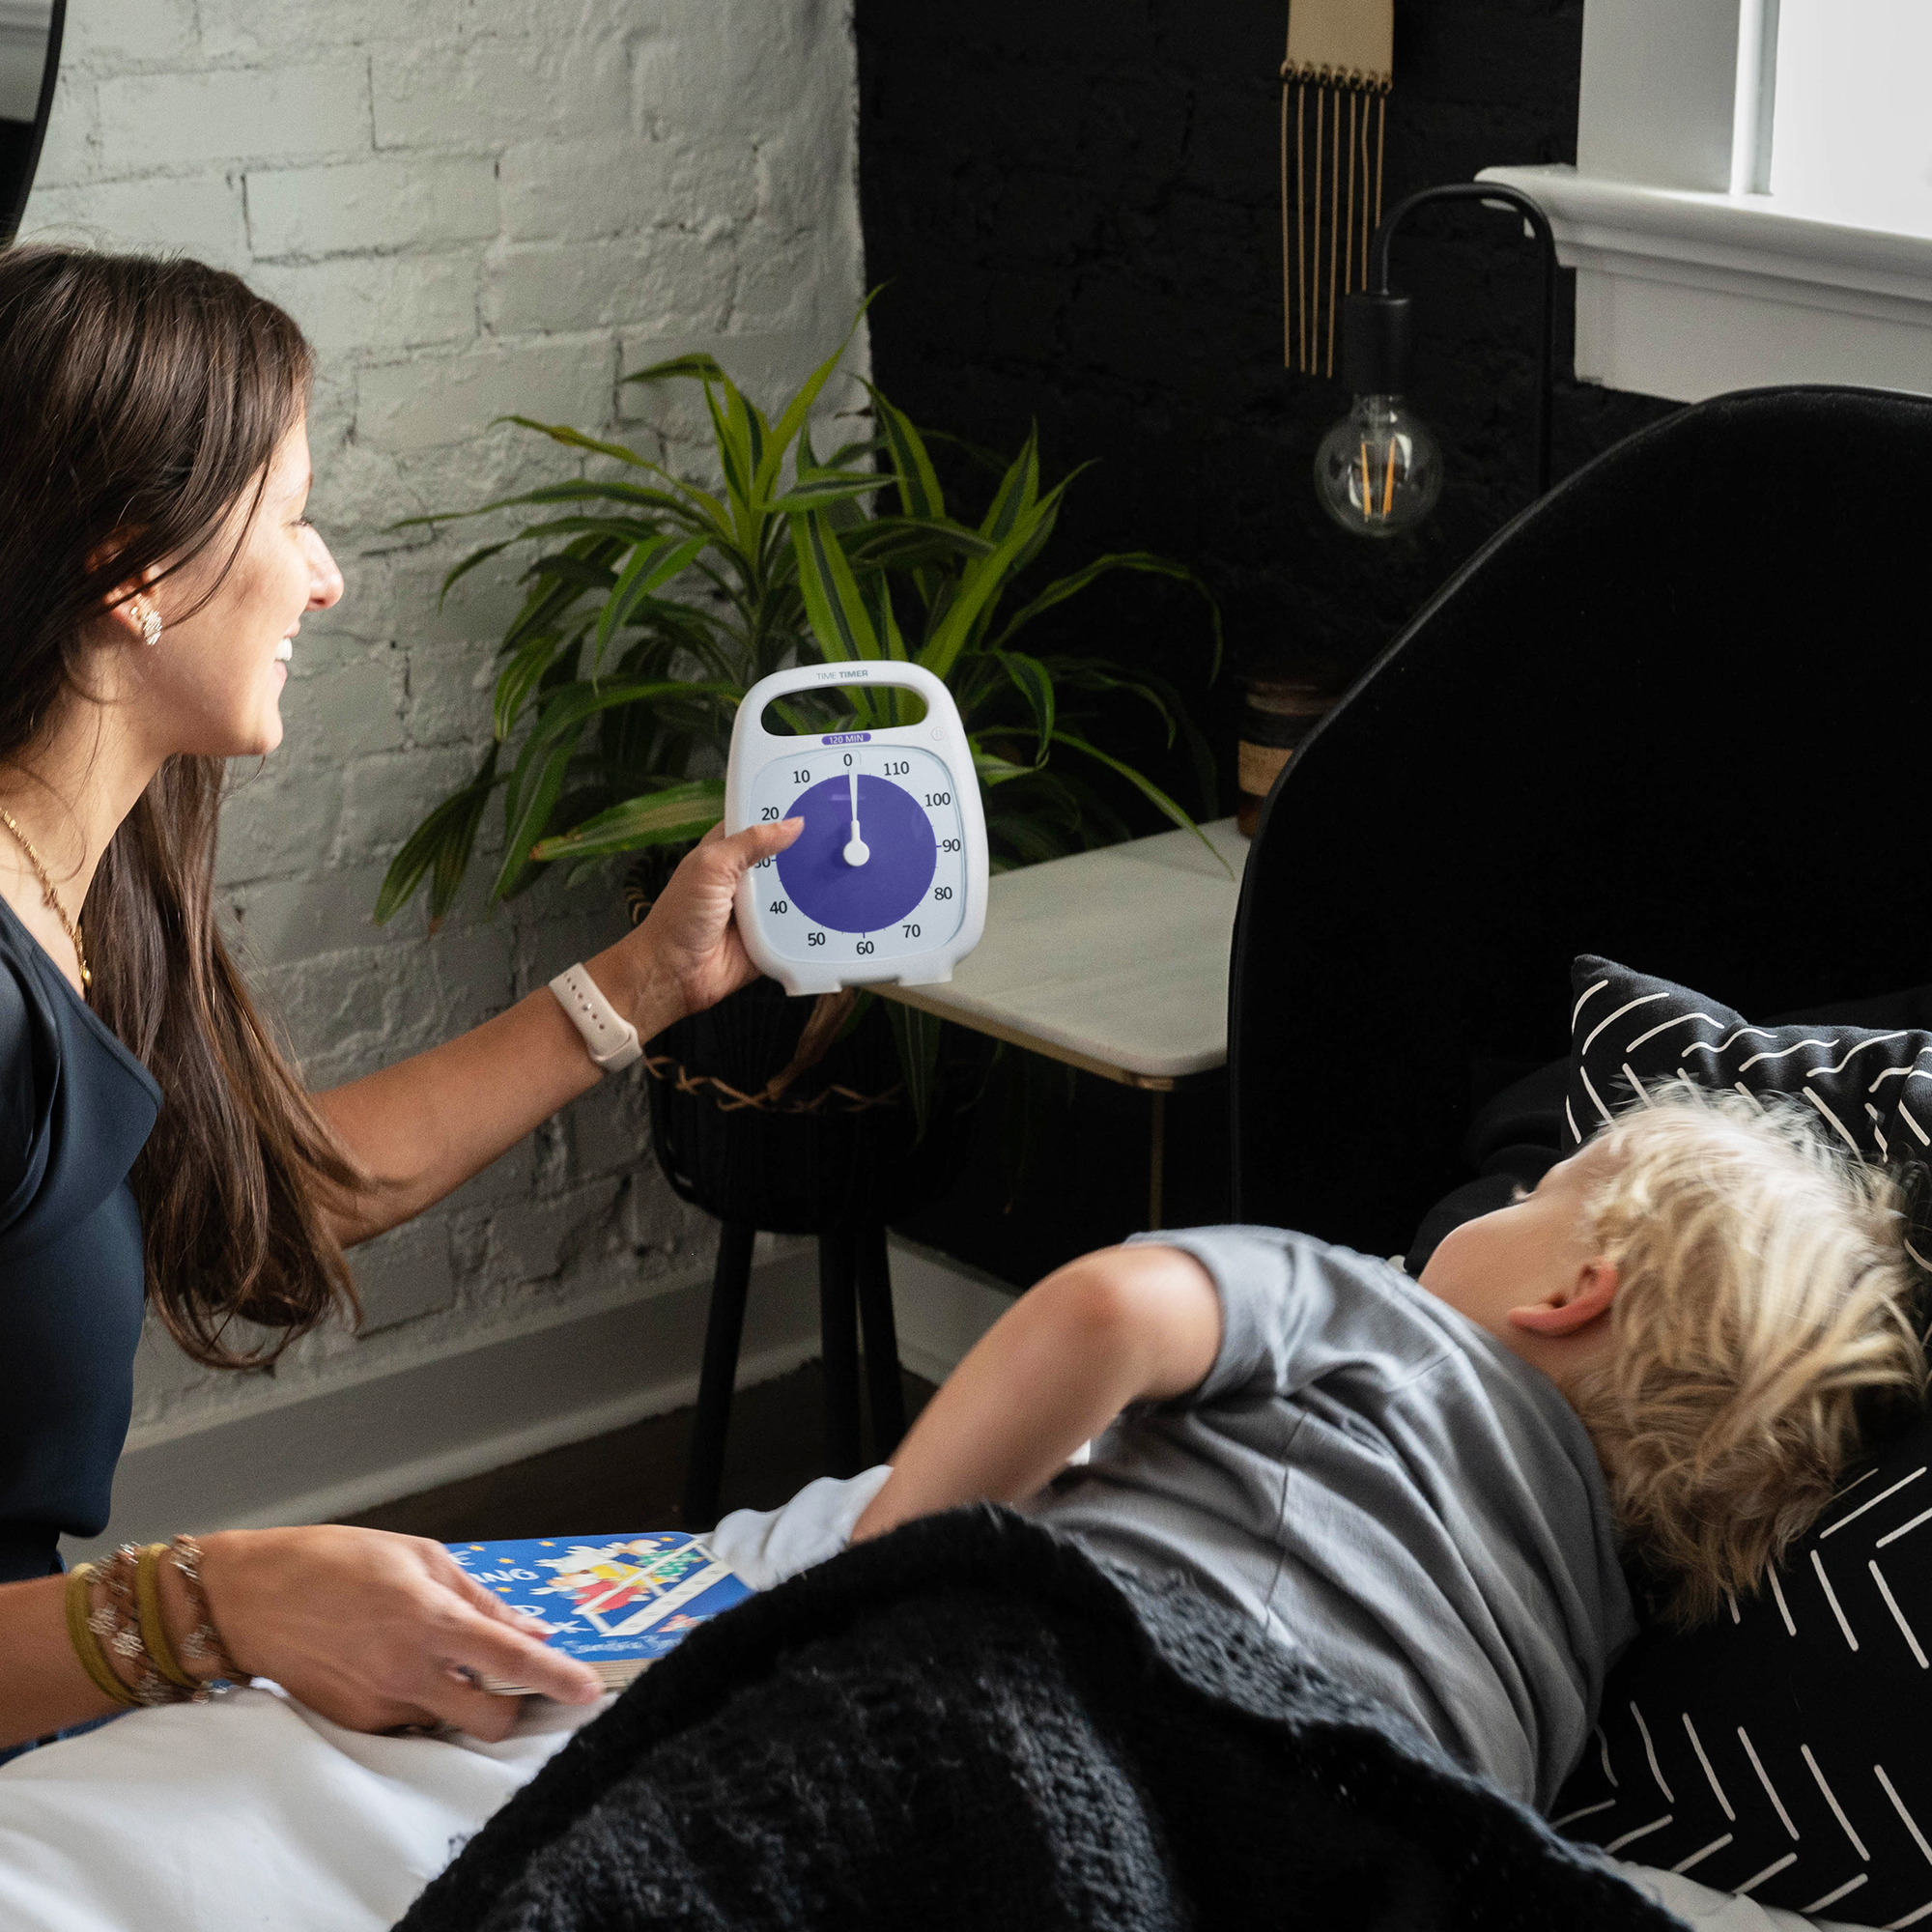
<point x="1487" y="191"/>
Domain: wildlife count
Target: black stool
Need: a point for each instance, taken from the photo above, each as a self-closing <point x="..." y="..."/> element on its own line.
<point x="830" y="1154"/>
<point x="854" y="1283"/>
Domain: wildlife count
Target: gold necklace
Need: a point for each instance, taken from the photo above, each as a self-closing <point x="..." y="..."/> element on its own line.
<point x="53" y="898"/>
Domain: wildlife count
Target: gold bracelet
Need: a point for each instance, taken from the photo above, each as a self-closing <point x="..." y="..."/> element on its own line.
<point x="86" y="1643"/>
<point x="122" y="1615"/>
<point x="204" y="1641"/>
<point x="154" y="1627"/>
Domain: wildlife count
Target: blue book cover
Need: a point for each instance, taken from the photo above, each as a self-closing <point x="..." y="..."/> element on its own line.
<point x="616" y="1603"/>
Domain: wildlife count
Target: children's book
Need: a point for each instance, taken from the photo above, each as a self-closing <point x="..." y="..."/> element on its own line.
<point x="616" y="1603"/>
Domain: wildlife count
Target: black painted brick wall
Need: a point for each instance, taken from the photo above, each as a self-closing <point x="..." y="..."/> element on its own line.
<point x="1076" y="208"/>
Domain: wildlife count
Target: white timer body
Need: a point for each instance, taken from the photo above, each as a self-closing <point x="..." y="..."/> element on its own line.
<point x="888" y="879"/>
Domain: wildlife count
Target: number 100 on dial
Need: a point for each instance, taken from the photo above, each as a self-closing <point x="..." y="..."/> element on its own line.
<point x="886" y="879"/>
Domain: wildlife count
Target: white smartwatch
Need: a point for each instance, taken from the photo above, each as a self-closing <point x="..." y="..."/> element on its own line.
<point x="610" y="1039"/>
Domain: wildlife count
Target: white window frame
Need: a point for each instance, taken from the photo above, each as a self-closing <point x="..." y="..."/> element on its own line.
<point x="1690" y="279"/>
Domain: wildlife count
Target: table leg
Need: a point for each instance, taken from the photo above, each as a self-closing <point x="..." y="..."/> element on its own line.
<point x="1156" y="1155"/>
<point x="723" y="1329"/>
<point x="839" y="1336"/>
<point x="882" y="1341"/>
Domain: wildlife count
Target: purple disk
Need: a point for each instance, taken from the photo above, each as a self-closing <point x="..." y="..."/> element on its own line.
<point x="857" y="898"/>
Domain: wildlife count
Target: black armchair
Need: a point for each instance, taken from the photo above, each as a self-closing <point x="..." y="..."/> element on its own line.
<point x="1677" y="712"/>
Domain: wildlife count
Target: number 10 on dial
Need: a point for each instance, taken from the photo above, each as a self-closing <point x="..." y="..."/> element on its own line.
<point x="888" y="878"/>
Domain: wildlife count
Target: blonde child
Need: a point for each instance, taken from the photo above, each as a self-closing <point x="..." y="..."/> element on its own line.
<point x="1659" y="1357"/>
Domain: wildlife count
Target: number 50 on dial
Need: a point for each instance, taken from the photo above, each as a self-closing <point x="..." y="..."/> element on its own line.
<point x="888" y="879"/>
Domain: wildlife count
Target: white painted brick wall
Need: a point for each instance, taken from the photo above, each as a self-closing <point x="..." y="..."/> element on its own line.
<point x="473" y="207"/>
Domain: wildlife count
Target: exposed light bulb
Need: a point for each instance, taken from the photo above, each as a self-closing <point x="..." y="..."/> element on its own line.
<point x="1378" y="472"/>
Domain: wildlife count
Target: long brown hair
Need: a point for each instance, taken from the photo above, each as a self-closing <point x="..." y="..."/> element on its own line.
<point x="140" y="402"/>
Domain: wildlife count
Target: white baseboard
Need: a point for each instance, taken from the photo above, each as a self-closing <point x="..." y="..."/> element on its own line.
<point x="350" y="1448"/>
<point x="941" y="1306"/>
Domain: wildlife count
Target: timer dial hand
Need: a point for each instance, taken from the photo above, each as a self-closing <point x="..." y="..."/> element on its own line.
<point x="856" y="851"/>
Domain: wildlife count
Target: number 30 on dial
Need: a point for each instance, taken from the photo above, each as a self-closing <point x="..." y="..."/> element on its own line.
<point x="888" y="878"/>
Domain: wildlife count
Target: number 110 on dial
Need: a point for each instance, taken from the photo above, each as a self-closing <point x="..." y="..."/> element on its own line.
<point x="879" y="870"/>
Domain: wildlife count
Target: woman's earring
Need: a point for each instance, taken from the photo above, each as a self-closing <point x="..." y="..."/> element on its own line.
<point x="151" y="624"/>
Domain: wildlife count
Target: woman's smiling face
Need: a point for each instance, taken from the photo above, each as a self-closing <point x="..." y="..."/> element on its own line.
<point x="212" y="687"/>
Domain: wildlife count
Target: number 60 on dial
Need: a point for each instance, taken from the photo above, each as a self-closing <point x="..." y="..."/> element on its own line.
<point x="888" y="879"/>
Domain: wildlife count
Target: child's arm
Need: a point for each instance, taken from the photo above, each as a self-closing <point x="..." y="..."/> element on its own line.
<point x="1114" y="1328"/>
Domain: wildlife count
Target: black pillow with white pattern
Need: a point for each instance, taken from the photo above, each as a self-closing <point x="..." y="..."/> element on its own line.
<point x="1871" y="1085"/>
<point x="1783" y="1750"/>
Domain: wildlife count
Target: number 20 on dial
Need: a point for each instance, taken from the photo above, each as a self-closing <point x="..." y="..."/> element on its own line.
<point x="888" y="878"/>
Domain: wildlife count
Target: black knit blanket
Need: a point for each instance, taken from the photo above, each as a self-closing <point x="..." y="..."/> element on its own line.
<point x="973" y="1724"/>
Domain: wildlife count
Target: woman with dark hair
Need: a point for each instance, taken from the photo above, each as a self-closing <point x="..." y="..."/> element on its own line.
<point x="155" y="566"/>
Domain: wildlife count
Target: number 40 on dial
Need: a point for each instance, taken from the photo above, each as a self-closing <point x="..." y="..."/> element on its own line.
<point x="888" y="878"/>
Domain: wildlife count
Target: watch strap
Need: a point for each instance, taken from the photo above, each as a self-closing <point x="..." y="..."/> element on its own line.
<point x="610" y="1038"/>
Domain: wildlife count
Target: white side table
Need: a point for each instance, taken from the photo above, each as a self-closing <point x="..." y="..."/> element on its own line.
<point x="1115" y="961"/>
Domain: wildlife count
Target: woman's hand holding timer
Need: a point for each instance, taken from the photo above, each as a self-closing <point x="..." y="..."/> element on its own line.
<point x="687" y="955"/>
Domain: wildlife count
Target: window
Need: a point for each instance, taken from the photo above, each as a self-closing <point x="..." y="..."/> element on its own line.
<point x="1850" y="136"/>
<point x="1752" y="198"/>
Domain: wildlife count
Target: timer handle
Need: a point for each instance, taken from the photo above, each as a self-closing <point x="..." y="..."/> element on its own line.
<point x="830" y="677"/>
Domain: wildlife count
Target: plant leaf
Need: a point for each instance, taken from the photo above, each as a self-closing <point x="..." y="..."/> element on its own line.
<point x="574" y="438"/>
<point x="824" y="488"/>
<point x="977" y="586"/>
<point x="531" y="816"/>
<point x="697" y="366"/>
<point x="791" y="419"/>
<point x="577" y="490"/>
<point x="652" y="565"/>
<point x="975" y="453"/>
<point x="848" y="452"/>
<point x="1146" y="561"/>
<point x="906" y="542"/>
<point x="1031" y="679"/>
<point x="452" y="859"/>
<point x="734" y="453"/>
<point x="919" y="494"/>
<point x="664" y="817"/>
<point x="833" y="604"/>
<point x="994" y="770"/>
<point x="698" y="503"/>
<point x="469" y="564"/>
<point x="916" y="1034"/>
<point x="1018" y="491"/>
<point x="1148" y="789"/>
<point x="547" y="602"/>
<point x="443" y="830"/>
<point x="519" y="679"/>
<point x="564" y="568"/>
<point x="895" y="644"/>
<point x="1029" y="841"/>
<point x="573" y="704"/>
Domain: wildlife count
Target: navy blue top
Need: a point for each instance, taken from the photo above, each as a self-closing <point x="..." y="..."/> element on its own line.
<point x="75" y="1108"/>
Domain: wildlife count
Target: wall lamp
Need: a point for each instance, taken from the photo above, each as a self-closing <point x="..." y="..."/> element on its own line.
<point x="1378" y="472"/>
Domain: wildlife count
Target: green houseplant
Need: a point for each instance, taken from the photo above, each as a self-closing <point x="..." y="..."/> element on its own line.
<point x="653" y="604"/>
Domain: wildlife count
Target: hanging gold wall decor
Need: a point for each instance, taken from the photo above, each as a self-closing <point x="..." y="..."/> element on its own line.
<point x="1338" y="53"/>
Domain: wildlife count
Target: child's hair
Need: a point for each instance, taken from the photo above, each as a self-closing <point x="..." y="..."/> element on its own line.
<point x="1764" y="1302"/>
